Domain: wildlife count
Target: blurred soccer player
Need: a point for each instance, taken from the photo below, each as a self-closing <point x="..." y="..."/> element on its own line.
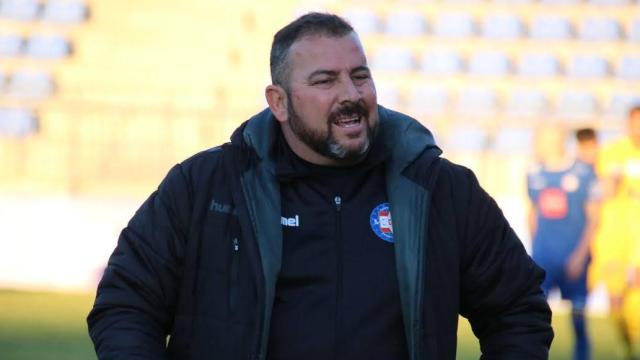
<point x="562" y="219"/>
<point x="617" y="245"/>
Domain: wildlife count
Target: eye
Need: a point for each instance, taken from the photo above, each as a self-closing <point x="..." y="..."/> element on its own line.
<point x="321" y="82"/>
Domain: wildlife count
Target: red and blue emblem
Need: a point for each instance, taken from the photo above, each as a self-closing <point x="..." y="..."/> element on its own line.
<point x="380" y="220"/>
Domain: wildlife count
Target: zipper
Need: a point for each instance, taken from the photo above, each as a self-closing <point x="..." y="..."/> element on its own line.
<point x="235" y="255"/>
<point x="337" y="200"/>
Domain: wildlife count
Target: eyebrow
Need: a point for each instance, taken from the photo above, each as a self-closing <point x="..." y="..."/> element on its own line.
<point x="335" y="73"/>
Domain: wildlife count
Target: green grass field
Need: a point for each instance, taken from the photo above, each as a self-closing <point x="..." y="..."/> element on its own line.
<point x="47" y="326"/>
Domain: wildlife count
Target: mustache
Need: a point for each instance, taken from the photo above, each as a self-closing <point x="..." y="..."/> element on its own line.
<point x="348" y="109"/>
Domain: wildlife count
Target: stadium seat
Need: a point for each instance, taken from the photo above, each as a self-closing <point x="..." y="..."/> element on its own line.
<point x="47" y="47"/>
<point x="466" y="138"/>
<point x="502" y="27"/>
<point x="22" y="10"/>
<point x="393" y="58"/>
<point x="429" y="100"/>
<point x="489" y="63"/>
<point x="629" y="68"/>
<point x="610" y="2"/>
<point x="388" y="95"/>
<point x="550" y="27"/>
<point x="513" y="140"/>
<point x="526" y="103"/>
<point x="405" y="23"/>
<point x="441" y="62"/>
<point x="474" y="101"/>
<point x="513" y="2"/>
<point x="599" y="29"/>
<point x="588" y="67"/>
<point x="30" y="84"/>
<point x="454" y="25"/>
<point x="620" y="103"/>
<point x="576" y="104"/>
<point x="634" y="31"/>
<point x="65" y="11"/>
<point x="17" y="123"/>
<point x="538" y="65"/>
<point x="10" y="45"/>
<point x="364" y="21"/>
<point x="561" y="2"/>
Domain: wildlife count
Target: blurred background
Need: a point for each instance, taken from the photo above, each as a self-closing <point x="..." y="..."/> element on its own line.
<point x="98" y="99"/>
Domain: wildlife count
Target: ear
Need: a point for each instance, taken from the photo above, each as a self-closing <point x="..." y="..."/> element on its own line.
<point x="277" y="100"/>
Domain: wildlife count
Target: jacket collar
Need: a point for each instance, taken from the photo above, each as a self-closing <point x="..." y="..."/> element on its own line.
<point x="404" y="136"/>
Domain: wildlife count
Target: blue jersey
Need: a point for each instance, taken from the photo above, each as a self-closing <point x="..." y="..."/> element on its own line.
<point x="559" y="198"/>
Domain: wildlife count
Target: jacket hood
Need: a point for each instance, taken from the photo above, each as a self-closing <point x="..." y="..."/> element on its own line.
<point x="404" y="136"/>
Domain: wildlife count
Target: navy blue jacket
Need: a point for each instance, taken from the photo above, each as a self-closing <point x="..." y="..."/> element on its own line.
<point x="200" y="259"/>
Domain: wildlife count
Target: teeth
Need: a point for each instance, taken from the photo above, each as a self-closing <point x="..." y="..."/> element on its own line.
<point x="347" y="121"/>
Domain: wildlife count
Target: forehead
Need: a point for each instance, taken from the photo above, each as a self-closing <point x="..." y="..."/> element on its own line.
<point x="322" y="52"/>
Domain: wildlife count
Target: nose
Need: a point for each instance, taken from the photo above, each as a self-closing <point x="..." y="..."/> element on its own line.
<point x="349" y="91"/>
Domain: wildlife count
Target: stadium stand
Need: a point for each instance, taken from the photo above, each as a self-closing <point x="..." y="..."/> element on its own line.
<point x="599" y="29"/>
<point x="428" y="101"/>
<point x="489" y="63"/>
<point x="502" y="27"/>
<point x="405" y="23"/>
<point x="17" y="122"/>
<point x="393" y="58"/>
<point x="47" y="47"/>
<point x="10" y="44"/>
<point x="365" y="21"/>
<point x="619" y="104"/>
<point x="443" y="62"/>
<point x="550" y="27"/>
<point x="467" y="138"/>
<point x="526" y="103"/>
<point x="588" y="67"/>
<point x="65" y="12"/>
<point x="454" y="25"/>
<point x="21" y="10"/>
<point x="629" y="68"/>
<point x="477" y="102"/>
<point x="634" y="32"/>
<point x="30" y="85"/>
<point x="576" y="104"/>
<point x="541" y="64"/>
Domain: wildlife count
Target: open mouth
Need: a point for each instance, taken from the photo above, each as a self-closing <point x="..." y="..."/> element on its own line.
<point x="347" y="121"/>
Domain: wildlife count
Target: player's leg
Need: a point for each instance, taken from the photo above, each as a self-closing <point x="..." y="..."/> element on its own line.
<point x="616" y="282"/>
<point x="576" y="292"/>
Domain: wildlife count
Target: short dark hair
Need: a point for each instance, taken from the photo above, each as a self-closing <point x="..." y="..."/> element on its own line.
<point x="309" y="24"/>
<point x="585" y="134"/>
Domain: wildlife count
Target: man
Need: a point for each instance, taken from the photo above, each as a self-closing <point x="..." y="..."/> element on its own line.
<point x="617" y="246"/>
<point x="563" y="219"/>
<point x="328" y="228"/>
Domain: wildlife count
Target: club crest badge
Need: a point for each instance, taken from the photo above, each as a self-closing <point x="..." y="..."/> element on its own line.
<point x="381" y="224"/>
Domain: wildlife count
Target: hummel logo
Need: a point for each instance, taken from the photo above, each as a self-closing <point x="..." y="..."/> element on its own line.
<point x="222" y="208"/>
<point x="292" y="222"/>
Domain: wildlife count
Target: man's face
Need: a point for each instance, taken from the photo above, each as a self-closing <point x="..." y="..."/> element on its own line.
<point x="588" y="150"/>
<point x="332" y="105"/>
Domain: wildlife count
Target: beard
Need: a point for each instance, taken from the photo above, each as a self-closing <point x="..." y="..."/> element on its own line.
<point x="325" y="143"/>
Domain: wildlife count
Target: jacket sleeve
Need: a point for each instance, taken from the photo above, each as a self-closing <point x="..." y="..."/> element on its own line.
<point x="500" y="283"/>
<point x="136" y="297"/>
